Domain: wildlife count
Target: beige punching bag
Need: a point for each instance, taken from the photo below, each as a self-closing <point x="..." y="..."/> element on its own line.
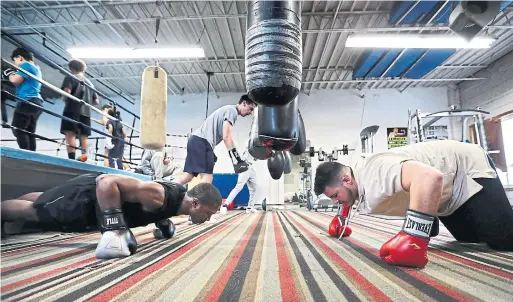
<point x="153" y="108"/>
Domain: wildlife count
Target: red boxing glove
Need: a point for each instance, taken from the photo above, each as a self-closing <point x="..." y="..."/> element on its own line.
<point x="337" y="226"/>
<point x="409" y="247"/>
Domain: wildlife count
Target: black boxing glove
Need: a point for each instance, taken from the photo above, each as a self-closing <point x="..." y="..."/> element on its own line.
<point x="239" y="165"/>
<point x="7" y="73"/>
<point x="117" y="240"/>
<point x="165" y="229"/>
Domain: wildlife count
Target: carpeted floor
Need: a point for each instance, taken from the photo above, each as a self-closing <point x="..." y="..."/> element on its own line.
<point x="272" y="256"/>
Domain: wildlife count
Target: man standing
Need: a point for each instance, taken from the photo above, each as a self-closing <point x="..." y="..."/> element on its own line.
<point x="77" y="111"/>
<point x="448" y="180"/>
<point x="25" y="115"/>
<point x="216" y="128"/>
<point x="249" y="177"/>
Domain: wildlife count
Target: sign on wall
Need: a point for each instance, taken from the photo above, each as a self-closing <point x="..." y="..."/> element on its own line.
<point x="397" y="137"/>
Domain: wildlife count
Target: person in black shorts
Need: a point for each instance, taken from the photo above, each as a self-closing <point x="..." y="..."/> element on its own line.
<point x="113" y="204"/>
<point x="117" y="145"/>
<point x="216" y="128"/>
<point x="25" y="116"/>
<point x="77" y="111"/>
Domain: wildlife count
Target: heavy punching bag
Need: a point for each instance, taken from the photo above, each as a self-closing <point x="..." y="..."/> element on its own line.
<point x="153" y="108"/>
<point x="278" y="126"/>
<point x="273" y="51"/>
<point x="276" y="165"/>
<point x="287" y="167"/>
<point x="300" y="147"/>
<point x="254" y="147"/>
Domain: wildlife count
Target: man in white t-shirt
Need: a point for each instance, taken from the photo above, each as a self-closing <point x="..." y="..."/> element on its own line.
<point x="248" y="177"/>
<point x="448" y="180"/>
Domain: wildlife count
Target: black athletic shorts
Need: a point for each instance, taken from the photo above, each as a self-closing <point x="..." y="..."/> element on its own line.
<point x="67" y="126"/>
<point x="25" y="116"/>
<point x="71" y="206"/>
<point x="200" y="156"/>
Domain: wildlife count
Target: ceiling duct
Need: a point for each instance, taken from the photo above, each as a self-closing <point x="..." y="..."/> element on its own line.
<point x="470" y="17"/>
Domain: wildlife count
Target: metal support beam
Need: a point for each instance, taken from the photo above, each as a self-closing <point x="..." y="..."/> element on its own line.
<point x="202" y="74"/>
<point x="392" y="80"/>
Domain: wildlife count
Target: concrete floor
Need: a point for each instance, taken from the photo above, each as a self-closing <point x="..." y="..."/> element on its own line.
<point x="266" y="256"/>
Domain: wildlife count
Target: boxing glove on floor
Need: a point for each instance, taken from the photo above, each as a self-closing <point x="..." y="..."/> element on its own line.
<point x="165" y="229"/>
<point x="409" y="247"/>
<point x="116" y="244"/>
<point x="239" y="165"/>
<point x="117" y="240"/>
<point x="337" y="226"/>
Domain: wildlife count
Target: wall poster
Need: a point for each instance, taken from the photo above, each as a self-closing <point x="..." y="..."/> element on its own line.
<point x="397" y="137"/>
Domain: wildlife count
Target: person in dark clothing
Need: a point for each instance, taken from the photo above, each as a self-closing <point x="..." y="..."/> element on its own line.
<point x="113" y="204"/>
<point x="118" y="133"/>
<point x="25" y="115"/>
<point x="77" y="111"/>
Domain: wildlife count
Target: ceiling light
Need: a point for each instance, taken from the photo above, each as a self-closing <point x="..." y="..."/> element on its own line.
<point x="135" y="53"/>
<point x="416" y="41"/>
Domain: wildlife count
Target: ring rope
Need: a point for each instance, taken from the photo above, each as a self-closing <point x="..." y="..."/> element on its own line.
<point x="64" y="93"/>
<point x="68" y="119"/>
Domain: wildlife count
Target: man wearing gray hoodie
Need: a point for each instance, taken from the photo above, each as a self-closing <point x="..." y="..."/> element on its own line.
<point x="158" y="164"/>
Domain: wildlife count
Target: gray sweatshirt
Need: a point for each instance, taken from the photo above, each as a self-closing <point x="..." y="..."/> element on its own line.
<point x="152" y="165"/>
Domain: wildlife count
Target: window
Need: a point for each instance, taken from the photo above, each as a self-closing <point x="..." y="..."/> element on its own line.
<point x="507" y="136"/>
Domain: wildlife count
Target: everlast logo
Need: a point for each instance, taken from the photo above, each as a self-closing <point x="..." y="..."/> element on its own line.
<point x="417" y="226"/>
<point x="113" y="220"/>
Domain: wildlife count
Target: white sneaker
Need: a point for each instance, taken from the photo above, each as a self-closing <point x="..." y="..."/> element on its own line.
<point x="223" y="210"/>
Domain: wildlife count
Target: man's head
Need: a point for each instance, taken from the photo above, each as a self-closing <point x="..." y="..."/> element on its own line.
<point x="246" y="105"/>
<point x="337" y="182"/>
<point x="106" y="108"/>
<point x="77" y="66"/>
<point x="20" y="55"/>
<point x="202" y="201"/>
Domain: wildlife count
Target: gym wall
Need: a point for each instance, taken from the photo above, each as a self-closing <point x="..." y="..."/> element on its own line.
<point x="494" y="95"/>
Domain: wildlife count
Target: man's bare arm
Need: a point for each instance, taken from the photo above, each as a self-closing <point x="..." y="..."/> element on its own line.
<point x="227" y="135"/>
<point x="425" y="185"/>
<point x="112" y="190"/>
<point x="16" y="79"/>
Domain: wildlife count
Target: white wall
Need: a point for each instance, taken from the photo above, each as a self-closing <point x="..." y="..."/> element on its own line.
<point x="494" y="94"/>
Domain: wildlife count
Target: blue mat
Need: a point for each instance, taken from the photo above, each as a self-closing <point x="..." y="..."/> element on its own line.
<point x="26" y="171"/>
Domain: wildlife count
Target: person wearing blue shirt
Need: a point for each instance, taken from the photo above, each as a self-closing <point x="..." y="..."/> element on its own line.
<point x="25" y="115"/>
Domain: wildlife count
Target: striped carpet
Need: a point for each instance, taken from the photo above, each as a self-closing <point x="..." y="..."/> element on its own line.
<point x="266" y="256"/>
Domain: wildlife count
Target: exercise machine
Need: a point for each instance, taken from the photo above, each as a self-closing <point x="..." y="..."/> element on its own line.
<point x="418" y="129"/>
<point x="323" y="203"/>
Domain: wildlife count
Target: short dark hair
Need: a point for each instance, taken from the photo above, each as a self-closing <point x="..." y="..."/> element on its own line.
<point x="246" y="98"/>
<point x="106" y="106"/>
<point x="77" y="65"/>
<point x="22" y="52"/>
<point x="206" y="193"/>
<point x="326" y="174"/>
<point x="112" y="112"/>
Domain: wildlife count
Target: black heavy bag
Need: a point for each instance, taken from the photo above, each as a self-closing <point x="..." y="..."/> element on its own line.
<point x="273" y="51"/>
<point x="254" y="147"/>
<point x="287" y="167"/>
<point x="275" y="164"/>
<point x="300" y="147"/>
<point x="278" y="126"/>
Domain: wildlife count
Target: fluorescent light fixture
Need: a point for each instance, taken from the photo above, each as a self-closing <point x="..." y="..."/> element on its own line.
<point x="416" y="41"/>
<point x="135" y="53"/>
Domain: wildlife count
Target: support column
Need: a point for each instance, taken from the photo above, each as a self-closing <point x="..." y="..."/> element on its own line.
<point x="276" y="193"/>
